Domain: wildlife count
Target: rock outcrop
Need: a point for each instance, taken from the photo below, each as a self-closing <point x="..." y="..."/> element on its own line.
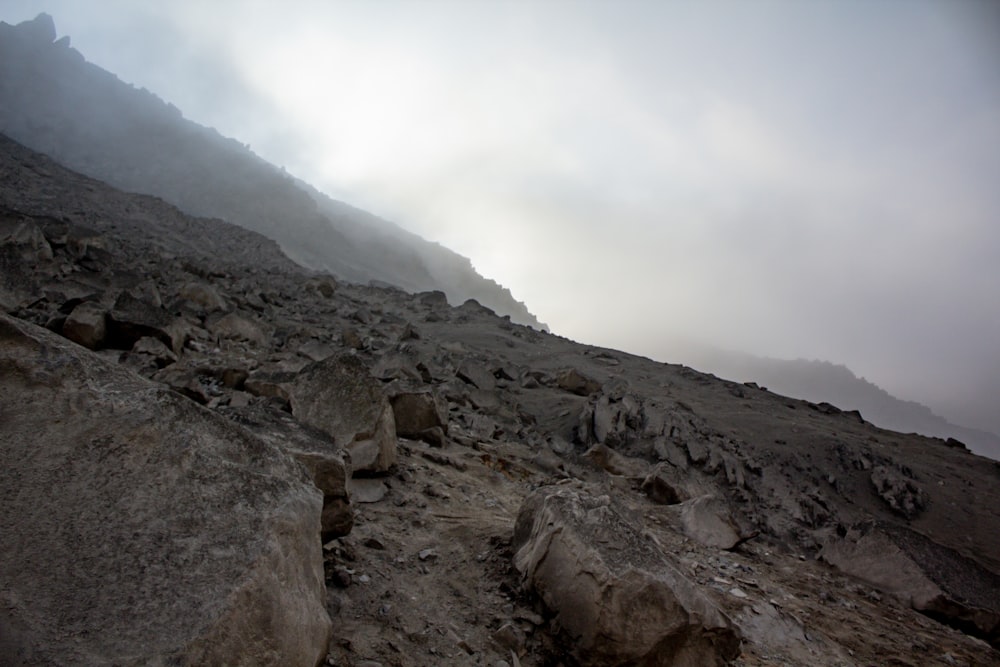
<point x="612" y="590"/>
<point x="418" y="555"/>
<point x="139" y="528"/>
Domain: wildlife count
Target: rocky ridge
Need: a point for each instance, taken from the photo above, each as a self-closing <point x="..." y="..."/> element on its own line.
<point x="54" y="101"/>
<point x="454" y="458"/>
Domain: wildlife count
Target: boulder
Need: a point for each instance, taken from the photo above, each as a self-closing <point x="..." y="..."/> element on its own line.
<point x="614" y="593"/>
<point x="339" y="397"/>
<point x="921" y="573"/>
<point x="139" y="528"/>
<point x="86" y="325"/>
<point x="322" y="458"/>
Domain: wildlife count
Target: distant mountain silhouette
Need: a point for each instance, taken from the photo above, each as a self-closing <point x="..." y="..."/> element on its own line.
<point x="822" y="381"/>
<point x="54" y="101"/>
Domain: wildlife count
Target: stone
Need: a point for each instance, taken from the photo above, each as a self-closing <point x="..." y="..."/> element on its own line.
<point x="575" y="382"/>
<point x="614" y="593"/>
<point x="324" y="461"/>
<point x="707" y="520"/>
<point x="139" y="528"/>
<point x="86" y="325"/>
<point x="338" y="396"/>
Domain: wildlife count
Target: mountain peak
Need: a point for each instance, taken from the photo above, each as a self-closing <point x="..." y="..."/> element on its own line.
<point x="42" y="29"/>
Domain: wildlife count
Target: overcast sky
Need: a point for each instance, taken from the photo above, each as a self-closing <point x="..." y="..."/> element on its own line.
<point x="793" y="179"/>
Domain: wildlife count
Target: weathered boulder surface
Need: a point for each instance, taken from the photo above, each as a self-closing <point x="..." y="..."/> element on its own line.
<point x="613" y="591"/>
<point x="322" y="458"/>
<point x="931" y="578"/>
<point x="339" y="397"/>
<point x="139" y="528"/>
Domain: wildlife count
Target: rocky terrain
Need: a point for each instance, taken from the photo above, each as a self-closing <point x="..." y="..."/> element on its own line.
<point x="215" y="456"/>
<point x="54" y="101"/>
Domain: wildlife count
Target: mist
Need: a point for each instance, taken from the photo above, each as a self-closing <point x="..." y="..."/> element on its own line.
<point x="794" y="180"/>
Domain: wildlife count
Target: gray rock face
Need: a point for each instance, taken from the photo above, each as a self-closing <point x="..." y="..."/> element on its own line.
<point x="139" y="528"/>
<point x="614" y="593"/>
<point x="339" y="397"/>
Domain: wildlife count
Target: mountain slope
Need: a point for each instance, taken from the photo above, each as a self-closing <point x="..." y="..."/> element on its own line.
<point x="818" y="381"/>
<point x="55" y="102"/>
<point x="522" y="469"/>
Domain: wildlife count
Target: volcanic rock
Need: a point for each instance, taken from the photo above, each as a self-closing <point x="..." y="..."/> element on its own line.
<point x="338" y="396"/>
<point x="139" y="528"/>
<point x="613" y="592"/>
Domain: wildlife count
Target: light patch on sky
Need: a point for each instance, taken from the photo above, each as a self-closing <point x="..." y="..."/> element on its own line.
<point x="794" y="179"/>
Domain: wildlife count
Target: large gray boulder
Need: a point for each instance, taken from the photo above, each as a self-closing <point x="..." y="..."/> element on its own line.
<point x="139" y="528"/>
<point x="339" y="397"/>
<point x="613" y="591"/>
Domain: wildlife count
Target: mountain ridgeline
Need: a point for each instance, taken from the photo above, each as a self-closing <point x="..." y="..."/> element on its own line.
<point x="822" y="381"/>
<point x="54" y="101"/>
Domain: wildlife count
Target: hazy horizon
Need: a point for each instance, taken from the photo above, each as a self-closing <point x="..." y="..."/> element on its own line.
<point x="794" y="180"/>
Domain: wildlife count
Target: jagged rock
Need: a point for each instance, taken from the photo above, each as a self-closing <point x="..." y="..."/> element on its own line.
<point x="322" y="458"/>
<point x="86" y="325"/>
<point x="141" y="529"/>
<point x="339" y="397"/>
<point x="707" y="520"/>
<point x="613" y="592"/>
<point x="575" y="382"/>
<point x="417" y="414"/>
<point x="929" y="577"/>
<point x="903" y="495"/>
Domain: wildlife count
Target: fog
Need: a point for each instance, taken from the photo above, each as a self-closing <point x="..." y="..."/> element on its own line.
<point x="790" y="179"/>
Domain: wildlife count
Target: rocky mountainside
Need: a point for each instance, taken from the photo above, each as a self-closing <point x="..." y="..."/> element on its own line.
<point x="54" y="101"/>
<point x="215" y="456"/>
<point x="834" y="383"/>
